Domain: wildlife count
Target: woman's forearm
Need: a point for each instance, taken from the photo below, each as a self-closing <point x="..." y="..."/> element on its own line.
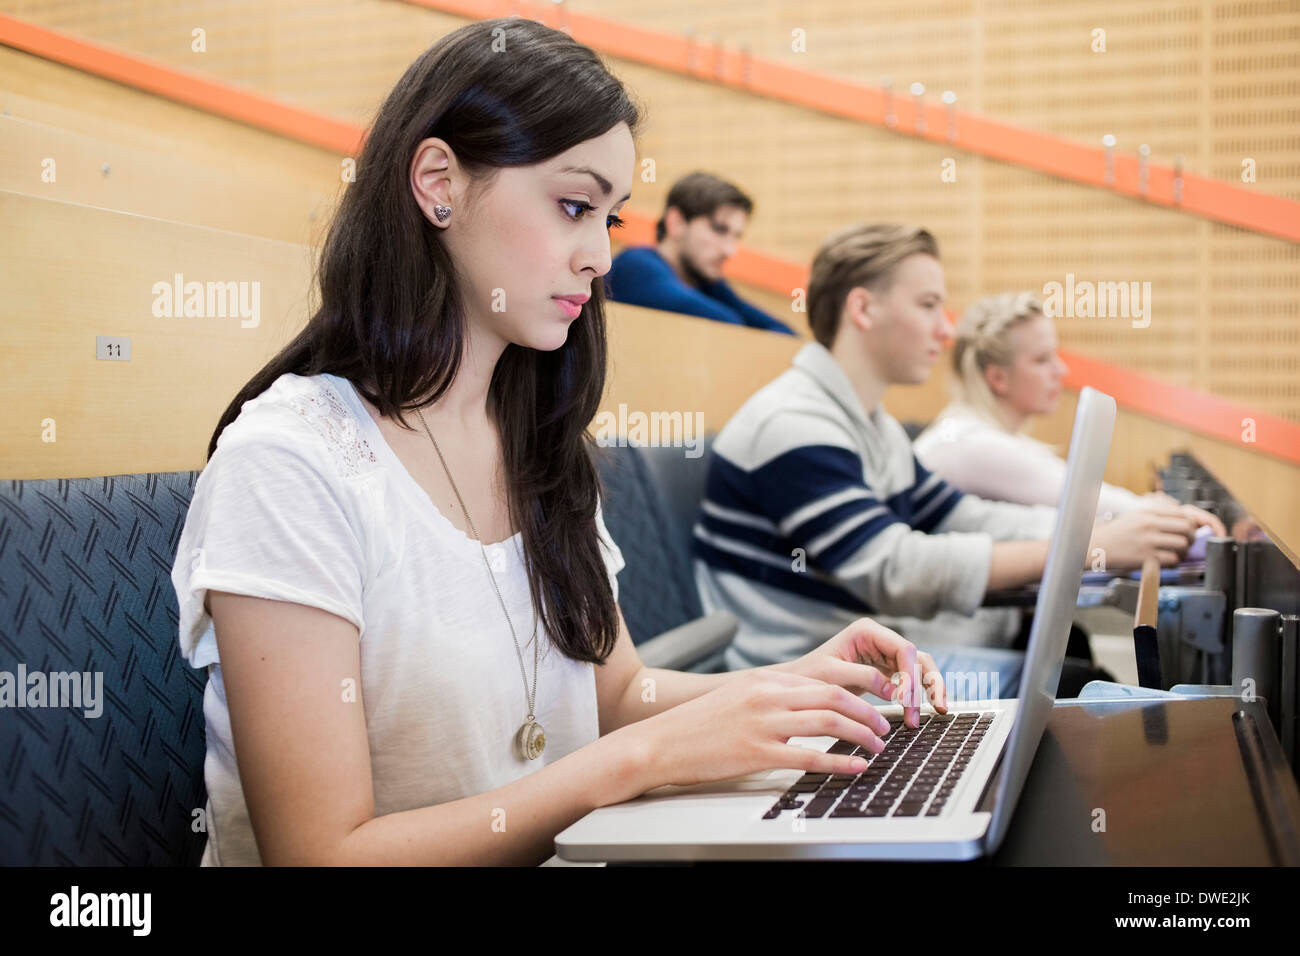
<point x="514" y="825"/>
<point x="655" y="690"/>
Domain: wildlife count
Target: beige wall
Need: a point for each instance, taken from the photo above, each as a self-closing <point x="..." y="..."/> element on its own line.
<point x="1217" y="83"/>
<point x="233" y="202"/>
<point x="73" y="272"/>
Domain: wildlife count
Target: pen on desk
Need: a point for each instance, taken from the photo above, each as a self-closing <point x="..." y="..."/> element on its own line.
<point x="1146" y="648"/>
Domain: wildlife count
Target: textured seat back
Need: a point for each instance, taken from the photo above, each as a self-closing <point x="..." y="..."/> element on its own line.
<point x="85" y="587"/>
<point x="656" y="589"/>
<point x="681" y="482"/>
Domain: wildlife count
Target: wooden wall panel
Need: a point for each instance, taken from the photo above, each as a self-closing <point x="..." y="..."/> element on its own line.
<point x="1218" y="82"/>
<point x="71" y="273"/>
<point x="1214" y="81"/>
<point x="1194" y="77"/>
<point x="154" y="413"/>
<point x="58" y="163"/>
<point x="35" y="89"/>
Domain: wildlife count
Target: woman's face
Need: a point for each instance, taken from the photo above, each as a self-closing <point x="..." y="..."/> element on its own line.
<point x="539" y="233"/>
<point x="1032" y="382"/>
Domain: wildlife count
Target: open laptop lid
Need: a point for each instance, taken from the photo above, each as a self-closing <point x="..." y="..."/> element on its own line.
<point x="1094" y="420"/>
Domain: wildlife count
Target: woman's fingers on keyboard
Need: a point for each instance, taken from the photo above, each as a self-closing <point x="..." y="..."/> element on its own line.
<point x="829" y="723"/>
<point x="932" y="680"/>
<point x="812" y="761"/>
<point x="858" y="678"/>
<point x="830" y="697"/>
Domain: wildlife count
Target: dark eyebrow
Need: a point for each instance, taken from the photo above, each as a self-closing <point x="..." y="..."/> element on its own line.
<point x="605" y="185"/>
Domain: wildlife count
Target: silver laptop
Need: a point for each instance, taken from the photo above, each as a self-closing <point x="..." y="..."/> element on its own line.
<point x="945" y="791"/>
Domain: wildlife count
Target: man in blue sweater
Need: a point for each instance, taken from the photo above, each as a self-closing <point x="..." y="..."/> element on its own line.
<point x="702" y="222"/>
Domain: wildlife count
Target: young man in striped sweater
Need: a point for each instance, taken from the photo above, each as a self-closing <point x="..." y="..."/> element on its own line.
<point x="816" y="512"/>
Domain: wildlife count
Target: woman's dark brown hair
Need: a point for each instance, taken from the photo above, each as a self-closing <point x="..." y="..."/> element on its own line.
<point x="502" y="93"/>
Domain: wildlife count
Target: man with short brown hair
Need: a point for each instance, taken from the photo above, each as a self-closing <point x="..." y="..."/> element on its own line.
<point x="702" y="222"/>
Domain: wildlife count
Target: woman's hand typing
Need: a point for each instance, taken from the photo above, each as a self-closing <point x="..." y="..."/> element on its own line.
<point x="744" y="726"/>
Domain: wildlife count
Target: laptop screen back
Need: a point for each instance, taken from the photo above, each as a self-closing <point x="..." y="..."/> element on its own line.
<point x="1094" y="420"/>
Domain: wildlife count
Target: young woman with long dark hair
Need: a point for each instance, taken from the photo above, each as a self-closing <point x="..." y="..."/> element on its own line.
<point x="395" y="566"/>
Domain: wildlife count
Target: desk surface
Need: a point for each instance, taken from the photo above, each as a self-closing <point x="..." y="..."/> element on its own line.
<point x="1170" y="780"/>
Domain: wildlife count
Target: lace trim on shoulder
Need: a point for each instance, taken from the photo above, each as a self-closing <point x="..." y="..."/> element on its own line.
<point x="326" y="413"/>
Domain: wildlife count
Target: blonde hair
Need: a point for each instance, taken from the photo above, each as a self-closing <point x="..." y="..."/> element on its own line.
<point x="858" y="255"/>
<point x="983" y="338"/>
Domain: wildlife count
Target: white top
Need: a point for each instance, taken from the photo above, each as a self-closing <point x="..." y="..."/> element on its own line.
<point x="978" y="457"/>
<point x="304" y="501"/>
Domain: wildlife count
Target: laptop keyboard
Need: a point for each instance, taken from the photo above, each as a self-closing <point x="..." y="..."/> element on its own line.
<point x="913" y="776"/>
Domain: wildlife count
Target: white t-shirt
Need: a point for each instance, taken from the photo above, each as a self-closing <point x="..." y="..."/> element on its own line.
<point x="990" y="462"/>
<point x="305" y="501"/>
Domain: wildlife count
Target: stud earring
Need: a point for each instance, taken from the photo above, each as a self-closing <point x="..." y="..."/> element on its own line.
<point x="441" y="212"/>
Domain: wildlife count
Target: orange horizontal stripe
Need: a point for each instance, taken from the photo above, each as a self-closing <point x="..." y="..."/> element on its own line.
<point x="1210" y="198"/>
<point x="181" y="86"/>
<point x="1196" y="411"/>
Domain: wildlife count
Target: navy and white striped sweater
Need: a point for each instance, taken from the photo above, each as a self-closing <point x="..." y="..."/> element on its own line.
<point x="817" y="513"/>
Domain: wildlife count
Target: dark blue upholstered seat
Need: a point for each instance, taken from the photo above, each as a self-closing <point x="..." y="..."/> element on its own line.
<point x="85" y="586"/>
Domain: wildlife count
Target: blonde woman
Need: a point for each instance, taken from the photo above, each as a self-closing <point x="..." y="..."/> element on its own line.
<point x="1006" y="373"/>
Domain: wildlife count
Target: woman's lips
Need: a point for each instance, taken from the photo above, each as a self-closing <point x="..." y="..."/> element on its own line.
<point x="570" y="308"/>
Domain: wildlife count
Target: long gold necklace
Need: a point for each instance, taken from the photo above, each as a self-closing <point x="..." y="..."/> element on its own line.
<point x="530" y="740"/>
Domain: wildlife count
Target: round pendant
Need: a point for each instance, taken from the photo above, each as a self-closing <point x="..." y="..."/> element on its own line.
<point x="531" y="740"/>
